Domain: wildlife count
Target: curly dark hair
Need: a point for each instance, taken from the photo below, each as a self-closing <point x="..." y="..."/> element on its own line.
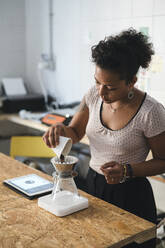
<point x="123" y="53"/>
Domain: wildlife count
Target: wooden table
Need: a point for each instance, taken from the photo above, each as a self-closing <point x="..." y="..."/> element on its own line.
<point x="24" y="224"/>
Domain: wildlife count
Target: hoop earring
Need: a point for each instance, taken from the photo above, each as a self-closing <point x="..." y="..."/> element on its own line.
<point x="130" y="94"/>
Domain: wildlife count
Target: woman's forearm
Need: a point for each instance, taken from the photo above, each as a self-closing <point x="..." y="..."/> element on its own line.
<point x="72" y="133"/>
<point x="149" y="168"/>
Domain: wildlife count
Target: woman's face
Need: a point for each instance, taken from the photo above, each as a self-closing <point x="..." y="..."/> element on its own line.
<point x="110" y="87"/>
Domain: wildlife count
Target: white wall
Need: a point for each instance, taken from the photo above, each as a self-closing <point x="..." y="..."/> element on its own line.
<point x="78" y="24"/>
<point x="37" y="39"/>
<point x="63" y="82"/>
<point x="12" y="38"/>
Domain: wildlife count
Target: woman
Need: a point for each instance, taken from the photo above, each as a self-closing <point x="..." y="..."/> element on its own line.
<point x="122" y="124"/>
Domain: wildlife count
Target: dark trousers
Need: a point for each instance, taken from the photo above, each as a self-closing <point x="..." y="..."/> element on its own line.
<point x="135" y="196"/>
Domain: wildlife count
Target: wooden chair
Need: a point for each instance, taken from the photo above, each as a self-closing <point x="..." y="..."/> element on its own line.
<point x="29" y="146"/>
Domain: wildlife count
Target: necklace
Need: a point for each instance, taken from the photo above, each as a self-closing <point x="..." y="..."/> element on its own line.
<point x="116" y="109"/>
<point x="113" y="109"/>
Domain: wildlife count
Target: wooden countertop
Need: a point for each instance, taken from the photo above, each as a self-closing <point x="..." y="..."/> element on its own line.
<point x="24" y="224"/>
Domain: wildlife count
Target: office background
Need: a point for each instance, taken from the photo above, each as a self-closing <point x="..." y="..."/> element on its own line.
<point x="76" y="26"/>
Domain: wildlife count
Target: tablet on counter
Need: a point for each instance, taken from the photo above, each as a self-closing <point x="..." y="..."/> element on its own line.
<point x="31" y="185"/>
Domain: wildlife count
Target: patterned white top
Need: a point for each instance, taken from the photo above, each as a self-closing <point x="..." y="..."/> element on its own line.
<point x="127" y="145"/>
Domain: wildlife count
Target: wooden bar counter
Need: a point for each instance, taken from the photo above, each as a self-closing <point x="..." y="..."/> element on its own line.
<point x="23" y="224"/>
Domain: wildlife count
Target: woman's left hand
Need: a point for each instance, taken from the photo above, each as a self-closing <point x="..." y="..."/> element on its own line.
<point x="113" y="172"/>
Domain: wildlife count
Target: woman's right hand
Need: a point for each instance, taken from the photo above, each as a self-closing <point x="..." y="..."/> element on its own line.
<point x="51" y="137"/>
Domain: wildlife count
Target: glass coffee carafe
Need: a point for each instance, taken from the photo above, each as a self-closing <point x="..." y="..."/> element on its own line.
<point x="65" y="189"/>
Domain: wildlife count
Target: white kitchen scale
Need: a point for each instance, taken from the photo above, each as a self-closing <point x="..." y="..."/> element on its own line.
<point x="66" y="203"/>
